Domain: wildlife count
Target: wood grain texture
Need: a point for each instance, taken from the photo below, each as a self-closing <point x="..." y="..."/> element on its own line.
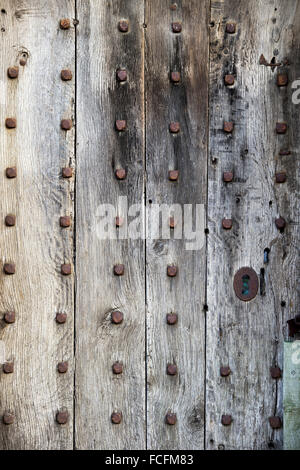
<point x="38" y="99"/>
<point x="291" y="395"/>
<point x="248" y="336"/>
<point x="102" y="49"/>
<point x="182" y="344"/>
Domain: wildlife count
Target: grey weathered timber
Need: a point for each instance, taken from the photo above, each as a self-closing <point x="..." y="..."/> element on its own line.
<point x="182" y="344"/>
<point x="291" y="395"/>
<point x="38" y="99"/>
<point x="248" y="336"/>
<point x="101" y="150"/>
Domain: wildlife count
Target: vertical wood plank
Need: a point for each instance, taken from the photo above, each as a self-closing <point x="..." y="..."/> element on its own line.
<point x="102" y="50"/>
<point x="38" y="148"/>
<point x="182" y="344"/>
<point x="291" y="395"/>
<point x="248" y="336"/>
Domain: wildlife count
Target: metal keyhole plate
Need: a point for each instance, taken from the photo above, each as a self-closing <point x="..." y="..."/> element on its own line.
<point x="245" y="284"/>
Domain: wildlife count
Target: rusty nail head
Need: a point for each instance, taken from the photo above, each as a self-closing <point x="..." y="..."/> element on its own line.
<point x="13" y="72"/>
<point x="66" y="75"/>
<point x="9" y="268"/>
<point x="226" y="420"/>
<point x="229" y="80"/>
<point x="275" y="422"/>
<point x="282" y="79"/>
<point x="62" y="417"/>
<point x="121" y="75"/>
<point x="65" y="23"/>
<point x="172" y="271"/>
<point x="176" y="27"/>
<point x="227" y="224"/>
<point x="23" y="62"/>
<point x="171" y="369"/>
<point x="171" y="419"/>
<point x="227" y="176"/>
<point x="175" y="77"/>
<point x="280" y="177"/>
<point x="10" y="220"/>
<point x="120" y="174"/>
<point x="11" y="123"/>
<point x="61" y="318"/>
<point x="173" y="6"/>
<point x="66" y="124"/>
<point x="173" y="175"/>
<point x="280" y="223"/>
<point x="249" y="277"/>
<point x="11" y="172"/>
<point x="230" y="28"/>
<point x="174" y="127"/>
<point x="66" y="269"/>
<point x="228" y="127"/>
<point x="8" y="367"/>
<point x="172" y="318"/>
<point x="172" y="222"/>
<point x="225" y="371"/>
<point x="119" y="269"/>
<point x="116" y="418"/>
<point x="67" y="172"/>
<point x="117" y="317"/>
<point x="120" y="125"/>
<point x="9" y="317"/>
<point x="275" y="372"/>
<point x="119" y="221"/>
<point x="8" y="418"/>
<point x="62" y="367"/>
<point x="117" y="368"/>
<point x="65" y="221"/>
<point x="281" y="127"/>
<point x="123" y="26"/>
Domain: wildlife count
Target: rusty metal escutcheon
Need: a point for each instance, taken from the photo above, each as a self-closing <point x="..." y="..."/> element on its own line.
<point x="245" y="284"/>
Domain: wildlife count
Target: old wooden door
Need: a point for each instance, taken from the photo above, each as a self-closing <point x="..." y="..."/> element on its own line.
<point x="133" y="341"/>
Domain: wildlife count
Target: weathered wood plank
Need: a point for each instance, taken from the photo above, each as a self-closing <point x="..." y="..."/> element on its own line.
<point x="182" y="344"/>
<point x="102" y="50"/>
<point x="38" y="148"/>
<point x="291" y="395"/>
<point x="248" y="336"/>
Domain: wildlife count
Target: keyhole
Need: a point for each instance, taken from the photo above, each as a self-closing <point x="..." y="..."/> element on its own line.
<point x="245" y="289"/>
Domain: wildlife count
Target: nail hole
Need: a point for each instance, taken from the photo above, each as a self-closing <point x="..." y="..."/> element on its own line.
<point x="266" y="255"/>
<point x="262" y="282"/>
<point x="150" y="201"/>
<point x="206" y="231"/>
<point x="205" y="308"/>
<point x="283" y="303"/>
<point x="270" y="203"/>
<point x="3" y="11"/>
<point x="237" y="200"/>
<point x="3" y="30"/>
<point x="212" y="24"/>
